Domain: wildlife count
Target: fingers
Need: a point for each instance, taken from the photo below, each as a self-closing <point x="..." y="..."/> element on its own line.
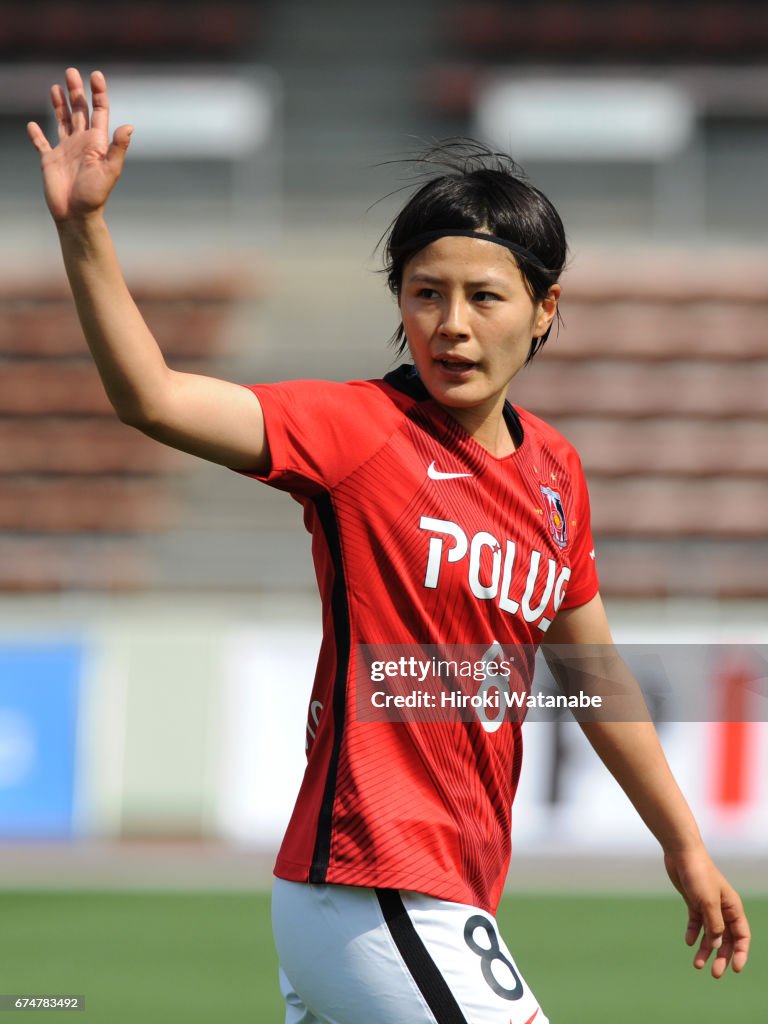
<point x="61" y="110"/>
<point x="118" y="149"/>
<point x="70" y="105"/>
<point x="100" y="101"/>
<point x="726" y="935"/>
<point x="740" y="955"/>
<point x="695" y="922"/>
<point x="737" y="931"/>
<point x="722" y="958"/>
<point x="734" y="951"/>
<point x="39" y="141"/>
<point x="714" y="927"/>
<point x="708" y="944"/>
<point x="77" y="101"/>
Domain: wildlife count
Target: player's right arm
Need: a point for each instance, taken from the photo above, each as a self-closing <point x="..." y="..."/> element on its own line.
<point x="204" y="416"/>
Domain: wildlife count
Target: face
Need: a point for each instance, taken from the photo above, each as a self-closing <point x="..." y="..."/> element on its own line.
<point x="469" y="319"/>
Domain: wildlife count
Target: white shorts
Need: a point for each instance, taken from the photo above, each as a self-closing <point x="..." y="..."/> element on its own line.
<point x="352" y="955"/>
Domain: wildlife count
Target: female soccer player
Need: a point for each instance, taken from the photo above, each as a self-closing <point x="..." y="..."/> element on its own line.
<point x="439" y="515"/>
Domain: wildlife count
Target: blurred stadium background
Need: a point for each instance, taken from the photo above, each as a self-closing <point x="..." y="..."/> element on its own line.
<point x="157" y="616"/>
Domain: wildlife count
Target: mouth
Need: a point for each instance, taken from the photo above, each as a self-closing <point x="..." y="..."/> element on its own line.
<point x="455" y="366"/>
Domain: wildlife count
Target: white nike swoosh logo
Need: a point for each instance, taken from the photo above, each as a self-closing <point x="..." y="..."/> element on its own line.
<point x="592" y="554"/>
<point x="435" y="474"/>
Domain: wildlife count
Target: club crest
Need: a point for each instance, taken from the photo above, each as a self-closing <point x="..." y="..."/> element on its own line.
<point x="555" y="515"/>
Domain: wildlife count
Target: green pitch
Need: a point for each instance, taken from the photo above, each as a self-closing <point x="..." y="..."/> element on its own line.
<point x="202" y="957"/>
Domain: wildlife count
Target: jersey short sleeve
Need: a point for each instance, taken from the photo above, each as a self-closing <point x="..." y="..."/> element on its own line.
<point x="583" y="584"/>
<point x="318" y="432"/>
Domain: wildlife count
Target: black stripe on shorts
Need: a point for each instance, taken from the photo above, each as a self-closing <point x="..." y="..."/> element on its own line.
<point x="422" y="967"/>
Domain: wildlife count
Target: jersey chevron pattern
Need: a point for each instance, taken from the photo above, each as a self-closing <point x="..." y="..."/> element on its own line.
<point x="419" y="536"/>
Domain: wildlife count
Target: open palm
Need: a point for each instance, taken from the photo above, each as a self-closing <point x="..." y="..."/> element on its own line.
<point x="80" y="172"/>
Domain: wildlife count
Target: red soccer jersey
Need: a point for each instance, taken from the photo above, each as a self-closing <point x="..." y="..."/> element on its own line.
<point x="407" y="551"/>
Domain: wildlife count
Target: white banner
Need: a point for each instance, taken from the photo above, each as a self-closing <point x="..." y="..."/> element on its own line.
<point x="566" y="800"/>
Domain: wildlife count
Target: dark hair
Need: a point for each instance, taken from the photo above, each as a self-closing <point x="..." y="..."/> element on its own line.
<point x="479" y="190"/>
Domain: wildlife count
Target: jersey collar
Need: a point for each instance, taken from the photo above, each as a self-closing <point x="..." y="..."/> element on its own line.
<point x="405" y="379"/>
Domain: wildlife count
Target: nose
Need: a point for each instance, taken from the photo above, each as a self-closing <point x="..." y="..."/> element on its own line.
<point x="454" y="320"/>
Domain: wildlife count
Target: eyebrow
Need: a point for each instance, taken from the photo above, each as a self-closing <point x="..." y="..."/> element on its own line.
<point x="488" y="282"/>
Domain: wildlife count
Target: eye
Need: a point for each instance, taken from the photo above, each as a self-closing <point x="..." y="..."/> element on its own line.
<point x="426" y="293"/>
<point x="486" y="297"/>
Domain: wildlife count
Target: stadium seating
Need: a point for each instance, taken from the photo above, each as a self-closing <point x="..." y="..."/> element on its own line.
<point x="596" y="29"/>
<point x="175" y="30"/>
<point x="660" y="380"/>
<point x="664" y="395"/>
<point x="77" y="487"/>
<point x="684" y="40"/>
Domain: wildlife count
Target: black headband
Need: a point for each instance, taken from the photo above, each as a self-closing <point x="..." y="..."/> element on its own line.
<point x="519" y="250"/>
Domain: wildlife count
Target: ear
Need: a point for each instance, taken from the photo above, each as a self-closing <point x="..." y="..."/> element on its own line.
<point x="546" y="311"/>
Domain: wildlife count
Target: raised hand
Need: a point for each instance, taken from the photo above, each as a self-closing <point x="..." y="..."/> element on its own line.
<point x="81" y="171"/>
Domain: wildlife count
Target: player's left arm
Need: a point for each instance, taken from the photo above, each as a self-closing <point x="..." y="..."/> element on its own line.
<point x="632" y="753"/>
